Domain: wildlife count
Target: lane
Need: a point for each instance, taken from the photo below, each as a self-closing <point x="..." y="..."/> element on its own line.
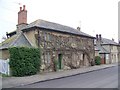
<point x="106" y="78"/>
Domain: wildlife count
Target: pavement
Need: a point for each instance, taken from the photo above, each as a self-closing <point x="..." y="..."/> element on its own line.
<point x="11" y="82"/>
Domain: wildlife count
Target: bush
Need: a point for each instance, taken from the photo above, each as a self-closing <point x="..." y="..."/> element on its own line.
<point x="24" y="61"/>
<point x="97" y="60"/>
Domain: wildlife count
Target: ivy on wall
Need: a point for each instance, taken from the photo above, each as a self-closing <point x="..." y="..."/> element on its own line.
<point x="24" y="61"/>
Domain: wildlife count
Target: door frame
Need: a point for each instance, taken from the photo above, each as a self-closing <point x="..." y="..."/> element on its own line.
<point x="60" y="56"/>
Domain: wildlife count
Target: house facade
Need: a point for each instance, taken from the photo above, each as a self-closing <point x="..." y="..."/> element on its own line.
<point x="69" y="47"/>
<point x="109" y="49"/>
<point x="119" y="53"/>
<point x="119" y="43"/>
<point x="103" y="53"/>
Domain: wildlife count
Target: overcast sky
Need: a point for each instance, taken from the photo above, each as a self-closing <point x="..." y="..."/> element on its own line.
<point x="93" y="16"/>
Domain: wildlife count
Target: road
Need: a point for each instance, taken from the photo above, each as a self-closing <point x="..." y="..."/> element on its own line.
<point x="105" y="78"/>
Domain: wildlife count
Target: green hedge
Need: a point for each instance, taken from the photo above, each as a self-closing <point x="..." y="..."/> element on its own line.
<point x="24" y="61"/>
<point x="97" y="60"/>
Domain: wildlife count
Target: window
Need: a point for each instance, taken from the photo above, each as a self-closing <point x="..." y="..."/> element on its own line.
<point x="47" y="37"/>
<point x="47" y="58"/>
<point x="82" y="57"/>
<point x="112" y="56"/>
<point x="107" y="56"/>
<point x="112" y="47"/>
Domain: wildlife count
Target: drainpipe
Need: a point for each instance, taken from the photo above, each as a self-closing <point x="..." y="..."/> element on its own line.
<point x="38" y="39"/>
<point x="110" y="55"/>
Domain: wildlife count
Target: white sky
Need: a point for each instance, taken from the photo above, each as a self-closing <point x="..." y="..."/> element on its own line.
<point x="93" y="16"/>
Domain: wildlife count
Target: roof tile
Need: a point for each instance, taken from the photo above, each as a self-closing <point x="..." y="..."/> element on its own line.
<point x="56" y="27"/>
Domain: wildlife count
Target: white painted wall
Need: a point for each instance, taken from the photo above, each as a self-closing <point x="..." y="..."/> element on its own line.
<point x="107" y="58"/>
<point x="113" y="49"/>
<point x="114" y="54"/>
<point x="4" y="67"/>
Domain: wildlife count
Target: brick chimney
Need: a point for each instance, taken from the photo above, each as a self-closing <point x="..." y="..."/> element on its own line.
<point x="22" y="19"/>
<point x="98" y="39"/>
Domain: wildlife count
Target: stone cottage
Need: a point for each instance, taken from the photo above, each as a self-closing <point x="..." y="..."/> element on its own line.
<point x="107" y="49"/>
<point x="70" y="47"/>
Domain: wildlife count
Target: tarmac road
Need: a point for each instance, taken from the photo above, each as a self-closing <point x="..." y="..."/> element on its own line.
<point x="105" y="78"/>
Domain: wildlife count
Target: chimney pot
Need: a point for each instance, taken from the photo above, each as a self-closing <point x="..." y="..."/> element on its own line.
<point x="23" y="7"/>
<point x="100" y="37"/>
<point x="97" y="37"/>
<point x="22" y="19"/>
<point x="22" y="15"/>
<point x="20" y="8"/>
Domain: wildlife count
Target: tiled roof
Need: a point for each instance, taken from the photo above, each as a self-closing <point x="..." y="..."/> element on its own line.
<point x="8" y="42"/>
<point x="15" y="40"/>
<point x="101" y="49"/>
<point x="55" y="27"/>
<point x="107" y="42"/>
<point x="12" y="33"/>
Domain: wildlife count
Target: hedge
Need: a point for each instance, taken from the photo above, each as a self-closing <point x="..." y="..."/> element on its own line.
<point x="24" y="61"/>
<point x="97" y="60"/>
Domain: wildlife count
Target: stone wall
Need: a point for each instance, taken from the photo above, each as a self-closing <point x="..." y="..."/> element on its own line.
<point x="113" y="49"/>
<point x="4" y="54"/>
<point x="76" y="51"/>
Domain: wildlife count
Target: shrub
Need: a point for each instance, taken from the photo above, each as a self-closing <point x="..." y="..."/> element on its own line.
<point x="97" y="60"/>
<point x="24" y="61"/>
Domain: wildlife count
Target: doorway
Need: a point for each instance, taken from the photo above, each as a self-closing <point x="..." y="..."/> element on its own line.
<point x="60" y="61"/>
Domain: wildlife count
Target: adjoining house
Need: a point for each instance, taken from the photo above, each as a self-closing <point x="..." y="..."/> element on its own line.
<point x="119" y="45"/>
<point x="119" y="53"/>
<point x="103" y="53"/>
<point x="107" y="49"/>
<point x="70" y="47"/>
